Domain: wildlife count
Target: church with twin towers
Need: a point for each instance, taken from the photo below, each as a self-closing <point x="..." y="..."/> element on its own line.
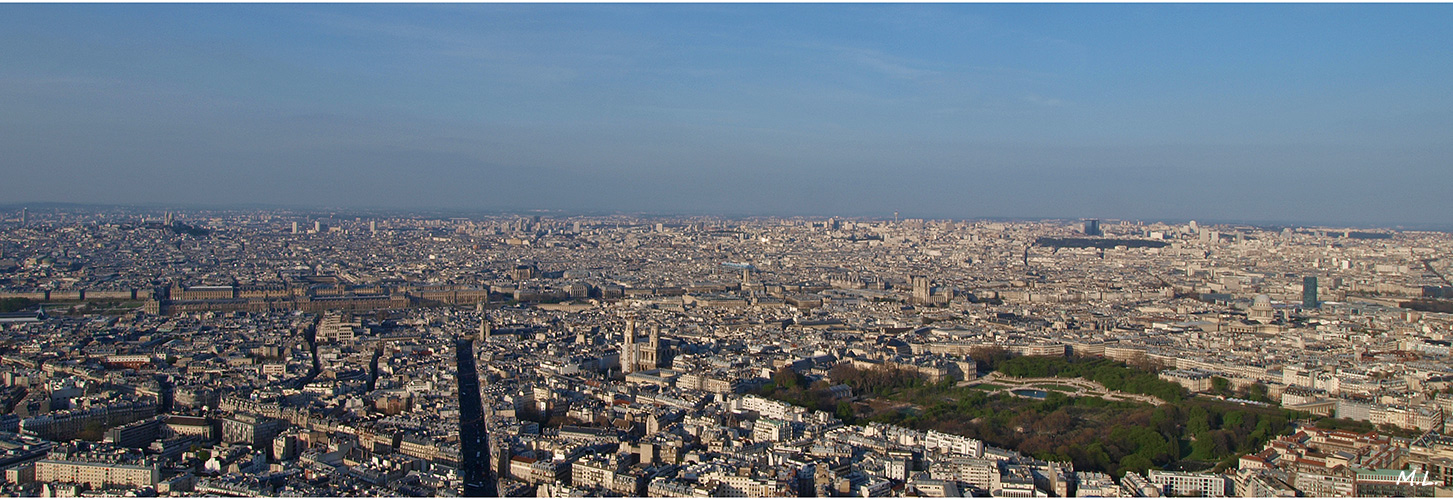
<point x="634" y="356"/>
<point x="650" y="355"/>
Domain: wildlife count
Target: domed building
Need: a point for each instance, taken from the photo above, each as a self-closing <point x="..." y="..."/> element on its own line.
<point x="1261" y="310"/>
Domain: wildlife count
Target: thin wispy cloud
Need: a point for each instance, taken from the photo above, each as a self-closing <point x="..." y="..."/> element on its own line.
<point x="887" y="65"/>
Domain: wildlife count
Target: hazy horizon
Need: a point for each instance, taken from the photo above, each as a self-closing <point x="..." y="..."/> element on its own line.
<point x="1328" y="114"/>
<point x="336" y="212"/>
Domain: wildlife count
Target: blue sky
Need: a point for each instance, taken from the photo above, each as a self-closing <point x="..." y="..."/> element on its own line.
<point x="1314" y="113"/>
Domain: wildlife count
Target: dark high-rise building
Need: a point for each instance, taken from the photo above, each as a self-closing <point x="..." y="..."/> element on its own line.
<point x="1092" y="227"/>
<point x="1309" y="293"/>
<point x="479" y="480"/>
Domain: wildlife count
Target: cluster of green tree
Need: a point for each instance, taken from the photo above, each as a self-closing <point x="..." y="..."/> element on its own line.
<point x="177" y="228"/>
<point x="1361" y="426"/>
<point x="16" y="304"/>
<point x="1224" y="432"/>
<point x="92" y="431"/>
<point x="1092" y="433"/>
<point x="1099" y="435"/>
<point x="879" y="380"/>
<point x="556" y="421"/>
<point x="791" y="387"/>
<point x="989" y="357"/>
<point x="180" y="228"/>
<point x="1097" y="243"/>
<point x="1220" y="386"/>
<point x="995" y="301"/>
<point x="531" y="414"/>
<point x="1112" y="374"/>
<point x="1254" y="392"/>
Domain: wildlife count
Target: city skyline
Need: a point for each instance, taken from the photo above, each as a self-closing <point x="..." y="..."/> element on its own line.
<point x="325" y="212"/>
<point x="289" y="353"/>
<point x="1320" y="114"/>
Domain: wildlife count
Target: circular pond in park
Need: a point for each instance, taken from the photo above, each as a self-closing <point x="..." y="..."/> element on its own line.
<point x="1030" y="393"/>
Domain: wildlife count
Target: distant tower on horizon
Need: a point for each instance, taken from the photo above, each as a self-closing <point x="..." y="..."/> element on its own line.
<point x="295" y="227"/>
<point x="1092" y="227"/>
<point x="373" y="227"/>
<point x="24" y="216"/>
<point x="1309" y="293"/>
